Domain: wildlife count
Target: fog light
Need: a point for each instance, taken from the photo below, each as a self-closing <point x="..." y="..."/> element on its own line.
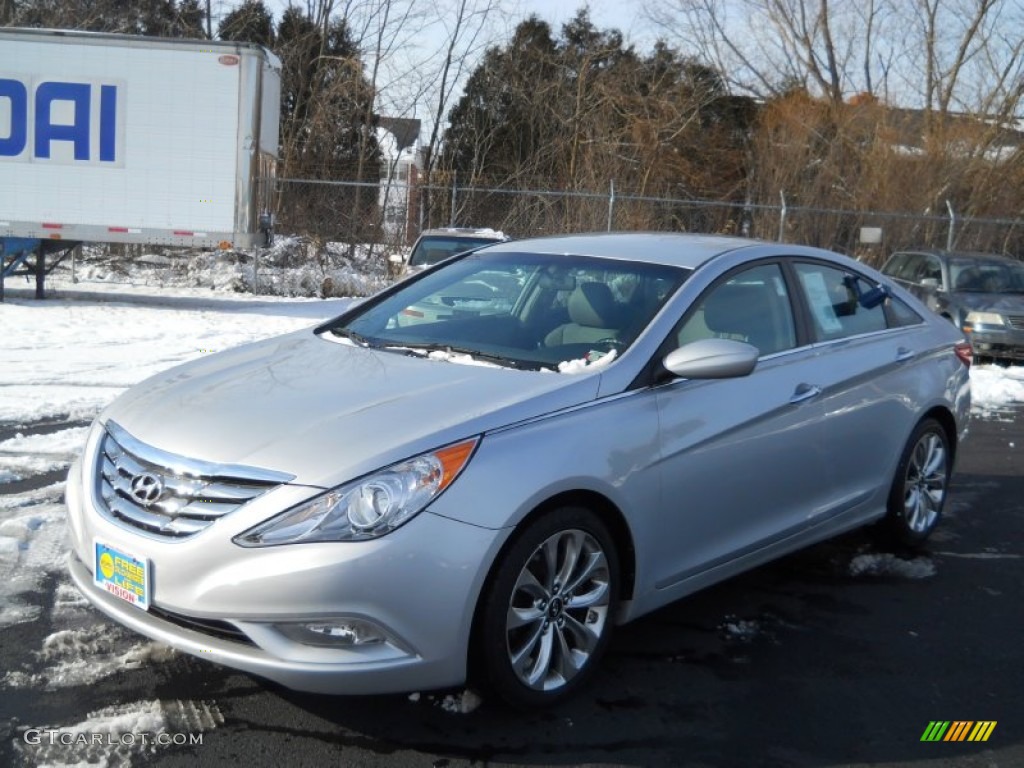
<point x="335" y="633"/>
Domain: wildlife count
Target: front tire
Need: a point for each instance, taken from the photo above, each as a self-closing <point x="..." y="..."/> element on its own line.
<point x="547" y="613"/>
<point x="920" y="486"/>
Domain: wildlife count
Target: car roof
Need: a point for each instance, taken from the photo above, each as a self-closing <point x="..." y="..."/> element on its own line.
<point x="671" y="248"/>
<point x="463" y="232"/>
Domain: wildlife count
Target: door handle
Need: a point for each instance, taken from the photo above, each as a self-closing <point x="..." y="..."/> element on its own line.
<point x="903" y="354"/>
<point x="804" y="392"/>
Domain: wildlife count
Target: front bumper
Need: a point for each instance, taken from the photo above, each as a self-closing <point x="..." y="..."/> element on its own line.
<point x="1001" y="343"/>
<point x="218" y="601"/>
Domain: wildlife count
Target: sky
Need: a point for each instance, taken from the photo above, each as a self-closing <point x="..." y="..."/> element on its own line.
<point x="623" y="15"/>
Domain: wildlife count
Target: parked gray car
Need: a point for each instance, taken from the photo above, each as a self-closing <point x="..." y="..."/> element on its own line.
<point x="434" y="245"/>
<point x="371" y="506"/>
<point x="980" y="293"/>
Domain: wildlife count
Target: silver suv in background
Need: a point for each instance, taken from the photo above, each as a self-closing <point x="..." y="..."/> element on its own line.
<point x="434" y="245"/>
<point x="980" y="293"/>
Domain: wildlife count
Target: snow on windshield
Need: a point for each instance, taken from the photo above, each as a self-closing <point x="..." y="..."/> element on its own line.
<point x="586" y="364"/>
<point x="461" y="359"/>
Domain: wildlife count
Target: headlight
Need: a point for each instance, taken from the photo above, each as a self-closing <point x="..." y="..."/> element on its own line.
<point x="984" y="318"/>
<point x="366" y="508"/>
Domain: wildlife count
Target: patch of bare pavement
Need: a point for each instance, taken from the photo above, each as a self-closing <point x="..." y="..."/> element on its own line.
<point x="843" y="654"/>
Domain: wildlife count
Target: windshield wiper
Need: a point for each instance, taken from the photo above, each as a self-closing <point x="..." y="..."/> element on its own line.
<point x="358" y="338"/>
<point x="422" y="350"/>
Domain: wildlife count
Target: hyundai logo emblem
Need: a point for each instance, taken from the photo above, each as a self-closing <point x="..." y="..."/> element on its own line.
<point x="146" y="488"/>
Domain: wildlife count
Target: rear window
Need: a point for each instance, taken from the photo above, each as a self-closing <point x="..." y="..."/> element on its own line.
<point x="431" y="249"/>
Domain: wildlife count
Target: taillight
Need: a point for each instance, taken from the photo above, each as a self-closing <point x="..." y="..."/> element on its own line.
<point x="964" y="352"/>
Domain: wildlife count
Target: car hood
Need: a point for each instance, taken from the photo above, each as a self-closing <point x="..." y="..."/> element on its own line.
<point x="327" y="412"/>
<point x="1007" y="303"/>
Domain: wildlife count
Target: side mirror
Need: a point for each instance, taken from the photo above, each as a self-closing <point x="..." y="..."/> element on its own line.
<point x="931" y="283"/>
<point x="712" y="359"/>
<point x="396" y="258"/>
<point x="868" y="299"/>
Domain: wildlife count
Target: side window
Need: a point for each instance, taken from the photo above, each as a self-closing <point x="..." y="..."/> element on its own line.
<point x="897" y="265"/>
<point x="832" y="296"/>
<point x="899" y="314"/>
<point x="908" y="267"/>
<point x="751" y="306"/>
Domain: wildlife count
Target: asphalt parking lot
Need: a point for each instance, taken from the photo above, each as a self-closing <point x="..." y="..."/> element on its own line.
<point x="842" y="654"/>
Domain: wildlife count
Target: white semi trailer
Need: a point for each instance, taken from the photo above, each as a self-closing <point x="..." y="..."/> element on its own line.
<point x="125" y="139"/>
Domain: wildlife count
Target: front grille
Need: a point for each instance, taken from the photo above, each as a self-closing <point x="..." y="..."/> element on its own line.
<point x="1016" y="322"/>
<point x="213" y="627"/>
<point x="170" y="495"/>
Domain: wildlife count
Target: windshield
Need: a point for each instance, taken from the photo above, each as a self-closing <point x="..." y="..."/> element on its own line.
<point x="431" y="249"/>
<point x="975" y="276"/>
<point x="517" y="309"/>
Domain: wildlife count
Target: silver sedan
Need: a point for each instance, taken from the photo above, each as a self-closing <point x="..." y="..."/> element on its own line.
<point x="617" y="421"/>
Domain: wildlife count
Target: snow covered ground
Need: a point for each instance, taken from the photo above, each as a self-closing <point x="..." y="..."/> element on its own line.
<point x="62" y="360"/>
<point x="292" y="266"/>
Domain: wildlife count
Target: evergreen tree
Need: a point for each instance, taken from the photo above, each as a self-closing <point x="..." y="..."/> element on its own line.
<point x="250" y="22"/>
<point x="163" y="18"/>
<point x="582" y="109"/>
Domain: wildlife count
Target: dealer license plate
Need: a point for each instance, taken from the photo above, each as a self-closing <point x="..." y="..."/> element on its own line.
<point x="122" y="575"/>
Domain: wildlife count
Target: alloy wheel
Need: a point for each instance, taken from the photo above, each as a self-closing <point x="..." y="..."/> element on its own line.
<point x="558" y="610"/>
<point x="925" y="483"/>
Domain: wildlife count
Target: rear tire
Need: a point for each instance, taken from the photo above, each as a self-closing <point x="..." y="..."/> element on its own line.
<point x="920" y="486"/>
<point x="547" y="613"/>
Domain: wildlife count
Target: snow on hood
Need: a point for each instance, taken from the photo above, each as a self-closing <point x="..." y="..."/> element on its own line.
<point x="327" y="412"/>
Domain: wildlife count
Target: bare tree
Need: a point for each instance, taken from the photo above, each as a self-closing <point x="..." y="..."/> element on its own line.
<point x="940" y="55"/>
<point x="971" y="51"/>
<point x="466" y="25"/>
<point x="766" y="47"/>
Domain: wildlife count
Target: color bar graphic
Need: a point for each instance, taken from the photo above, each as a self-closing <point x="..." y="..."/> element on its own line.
<point x="958" y="730"/>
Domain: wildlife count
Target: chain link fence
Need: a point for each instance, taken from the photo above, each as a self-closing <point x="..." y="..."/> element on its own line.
<point x="335" y="237"/>
<point x="869" y="235"/>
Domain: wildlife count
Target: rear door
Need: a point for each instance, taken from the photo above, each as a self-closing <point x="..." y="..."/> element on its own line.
<point x="866" y="366"/>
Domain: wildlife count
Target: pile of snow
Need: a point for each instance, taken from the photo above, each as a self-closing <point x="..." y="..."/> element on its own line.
<point x="886" y="564"/>
<point x="741" y="630"/>
<point x="22" y="456"/>
<point x="993" y="388"/>
<point x="33" y="532"/>
<point x="75" y="657"/>
<point x="292" y="266"/>
<point x="457" y="704"/>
